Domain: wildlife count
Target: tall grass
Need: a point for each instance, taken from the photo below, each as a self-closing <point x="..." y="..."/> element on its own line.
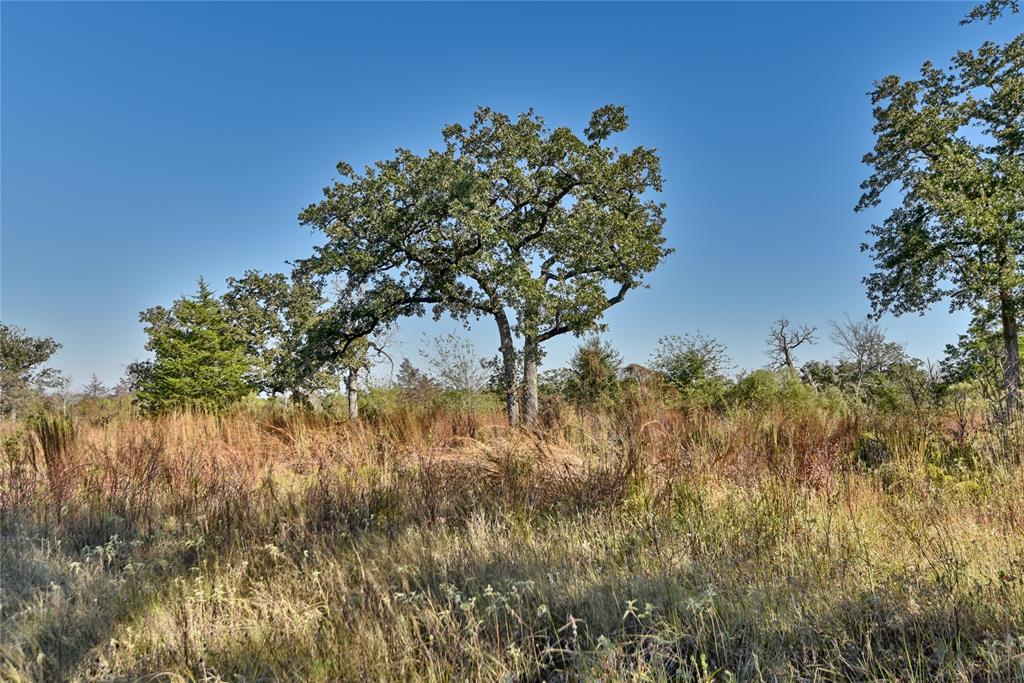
<point x="635" y="543"/>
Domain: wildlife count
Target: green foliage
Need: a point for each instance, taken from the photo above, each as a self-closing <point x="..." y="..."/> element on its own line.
<point x="509" y="216"/>
<point x="906" y="385"/>
<point x="696" y="365"/>
<point x="376" y="402"/>
<point x="274" y="314"/>
<point x="22" y="374"/>
<point x="871" y="371"/>
<point x="953" y="142"/>
<point x="977" y="355"/>
<point x="762" y="389"/>
<point x="457" y="370"/>
<point x="554" y="382"/>
<point x="200" y="358"/>
<point x="756" y="389"/>
<point x="454" y="364"/>
<point x="593" y="377"/>
<point x="960" y="222"/>
<point x="990" y="10"/>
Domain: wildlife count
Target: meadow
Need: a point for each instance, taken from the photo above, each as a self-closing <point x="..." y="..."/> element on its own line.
<point x="636" y="542"/>
<point x="265" y="496"/>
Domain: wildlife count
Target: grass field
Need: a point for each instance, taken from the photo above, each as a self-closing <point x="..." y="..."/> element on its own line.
<point x="637" y="544"/>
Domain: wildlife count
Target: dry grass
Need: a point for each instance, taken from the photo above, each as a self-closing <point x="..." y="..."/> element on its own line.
<point x="638" y="544"/>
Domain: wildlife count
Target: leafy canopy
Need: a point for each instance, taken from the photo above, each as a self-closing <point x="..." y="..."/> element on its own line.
<point x="21" y="371"/>
<point x="953" y="141"/>
<point x="696" y="364"/>
<point x="508" y="215"/>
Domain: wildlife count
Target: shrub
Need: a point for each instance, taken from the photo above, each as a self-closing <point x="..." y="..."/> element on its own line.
<point x="781" y="388"/>
<point x="696" y="365"/>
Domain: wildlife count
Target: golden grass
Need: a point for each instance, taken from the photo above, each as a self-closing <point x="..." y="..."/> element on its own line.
<point x="636" y="544"/>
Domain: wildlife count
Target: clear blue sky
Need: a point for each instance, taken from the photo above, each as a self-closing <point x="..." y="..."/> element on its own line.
<point x="144" y="145"/>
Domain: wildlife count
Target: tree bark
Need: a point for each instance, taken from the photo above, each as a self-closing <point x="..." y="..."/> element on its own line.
<point x="1011" y="348"/>
<point x="352" y="389"/>
<point x="508" y="358"/>
<point x="789" y="358"/>
<point x="531" y="400"/>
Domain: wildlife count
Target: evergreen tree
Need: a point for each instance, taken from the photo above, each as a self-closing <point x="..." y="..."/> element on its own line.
<point x="412" y="381"/>
<point x="95" y="388"/>
<point x="593" y="372"/>
<point x="200" y="360"/>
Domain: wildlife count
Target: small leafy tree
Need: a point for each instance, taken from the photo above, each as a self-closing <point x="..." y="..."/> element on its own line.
<point x="868" y="369"/>
<point x="554" y="382"/>
<point x="271" y="312"/>
<point x="457" y="369"/>
<point x="977" y="360"/>
<point x="695" y="364"/>
<point x="22" y="368"/>
<point x="455" y="365"/>
<point x="200" y="359"/>
<point x="275" y="314"/>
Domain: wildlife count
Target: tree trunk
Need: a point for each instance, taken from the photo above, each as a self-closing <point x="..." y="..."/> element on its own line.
<point x="352" y="389"/>
<point x="508" y="358"/>
<point x="531" y="401"/>
<point x="789" y="358"/>
<point x="1011" y="364"/>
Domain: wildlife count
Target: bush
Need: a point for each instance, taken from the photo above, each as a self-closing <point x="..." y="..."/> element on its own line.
<point x="766" y="388"/>
<point x="696" y="365"/>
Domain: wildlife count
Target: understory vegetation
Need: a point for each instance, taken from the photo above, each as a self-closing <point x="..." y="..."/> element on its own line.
<point x="636" y="540"/>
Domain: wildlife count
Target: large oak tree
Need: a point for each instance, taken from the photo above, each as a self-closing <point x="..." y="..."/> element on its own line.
<point x="536" y="228"/>
<point x="952" y="141"/>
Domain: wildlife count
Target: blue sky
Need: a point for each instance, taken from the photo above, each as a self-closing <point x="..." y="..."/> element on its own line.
<point x="145" y="144"/>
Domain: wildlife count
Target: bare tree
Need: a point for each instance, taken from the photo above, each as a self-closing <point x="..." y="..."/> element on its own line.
<point x="455" y="365"/>
<point x="64" y="394"/>
<point x="95" y="388"/>
<point x="862" y="345"/>
<point x="782" y="340"/>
